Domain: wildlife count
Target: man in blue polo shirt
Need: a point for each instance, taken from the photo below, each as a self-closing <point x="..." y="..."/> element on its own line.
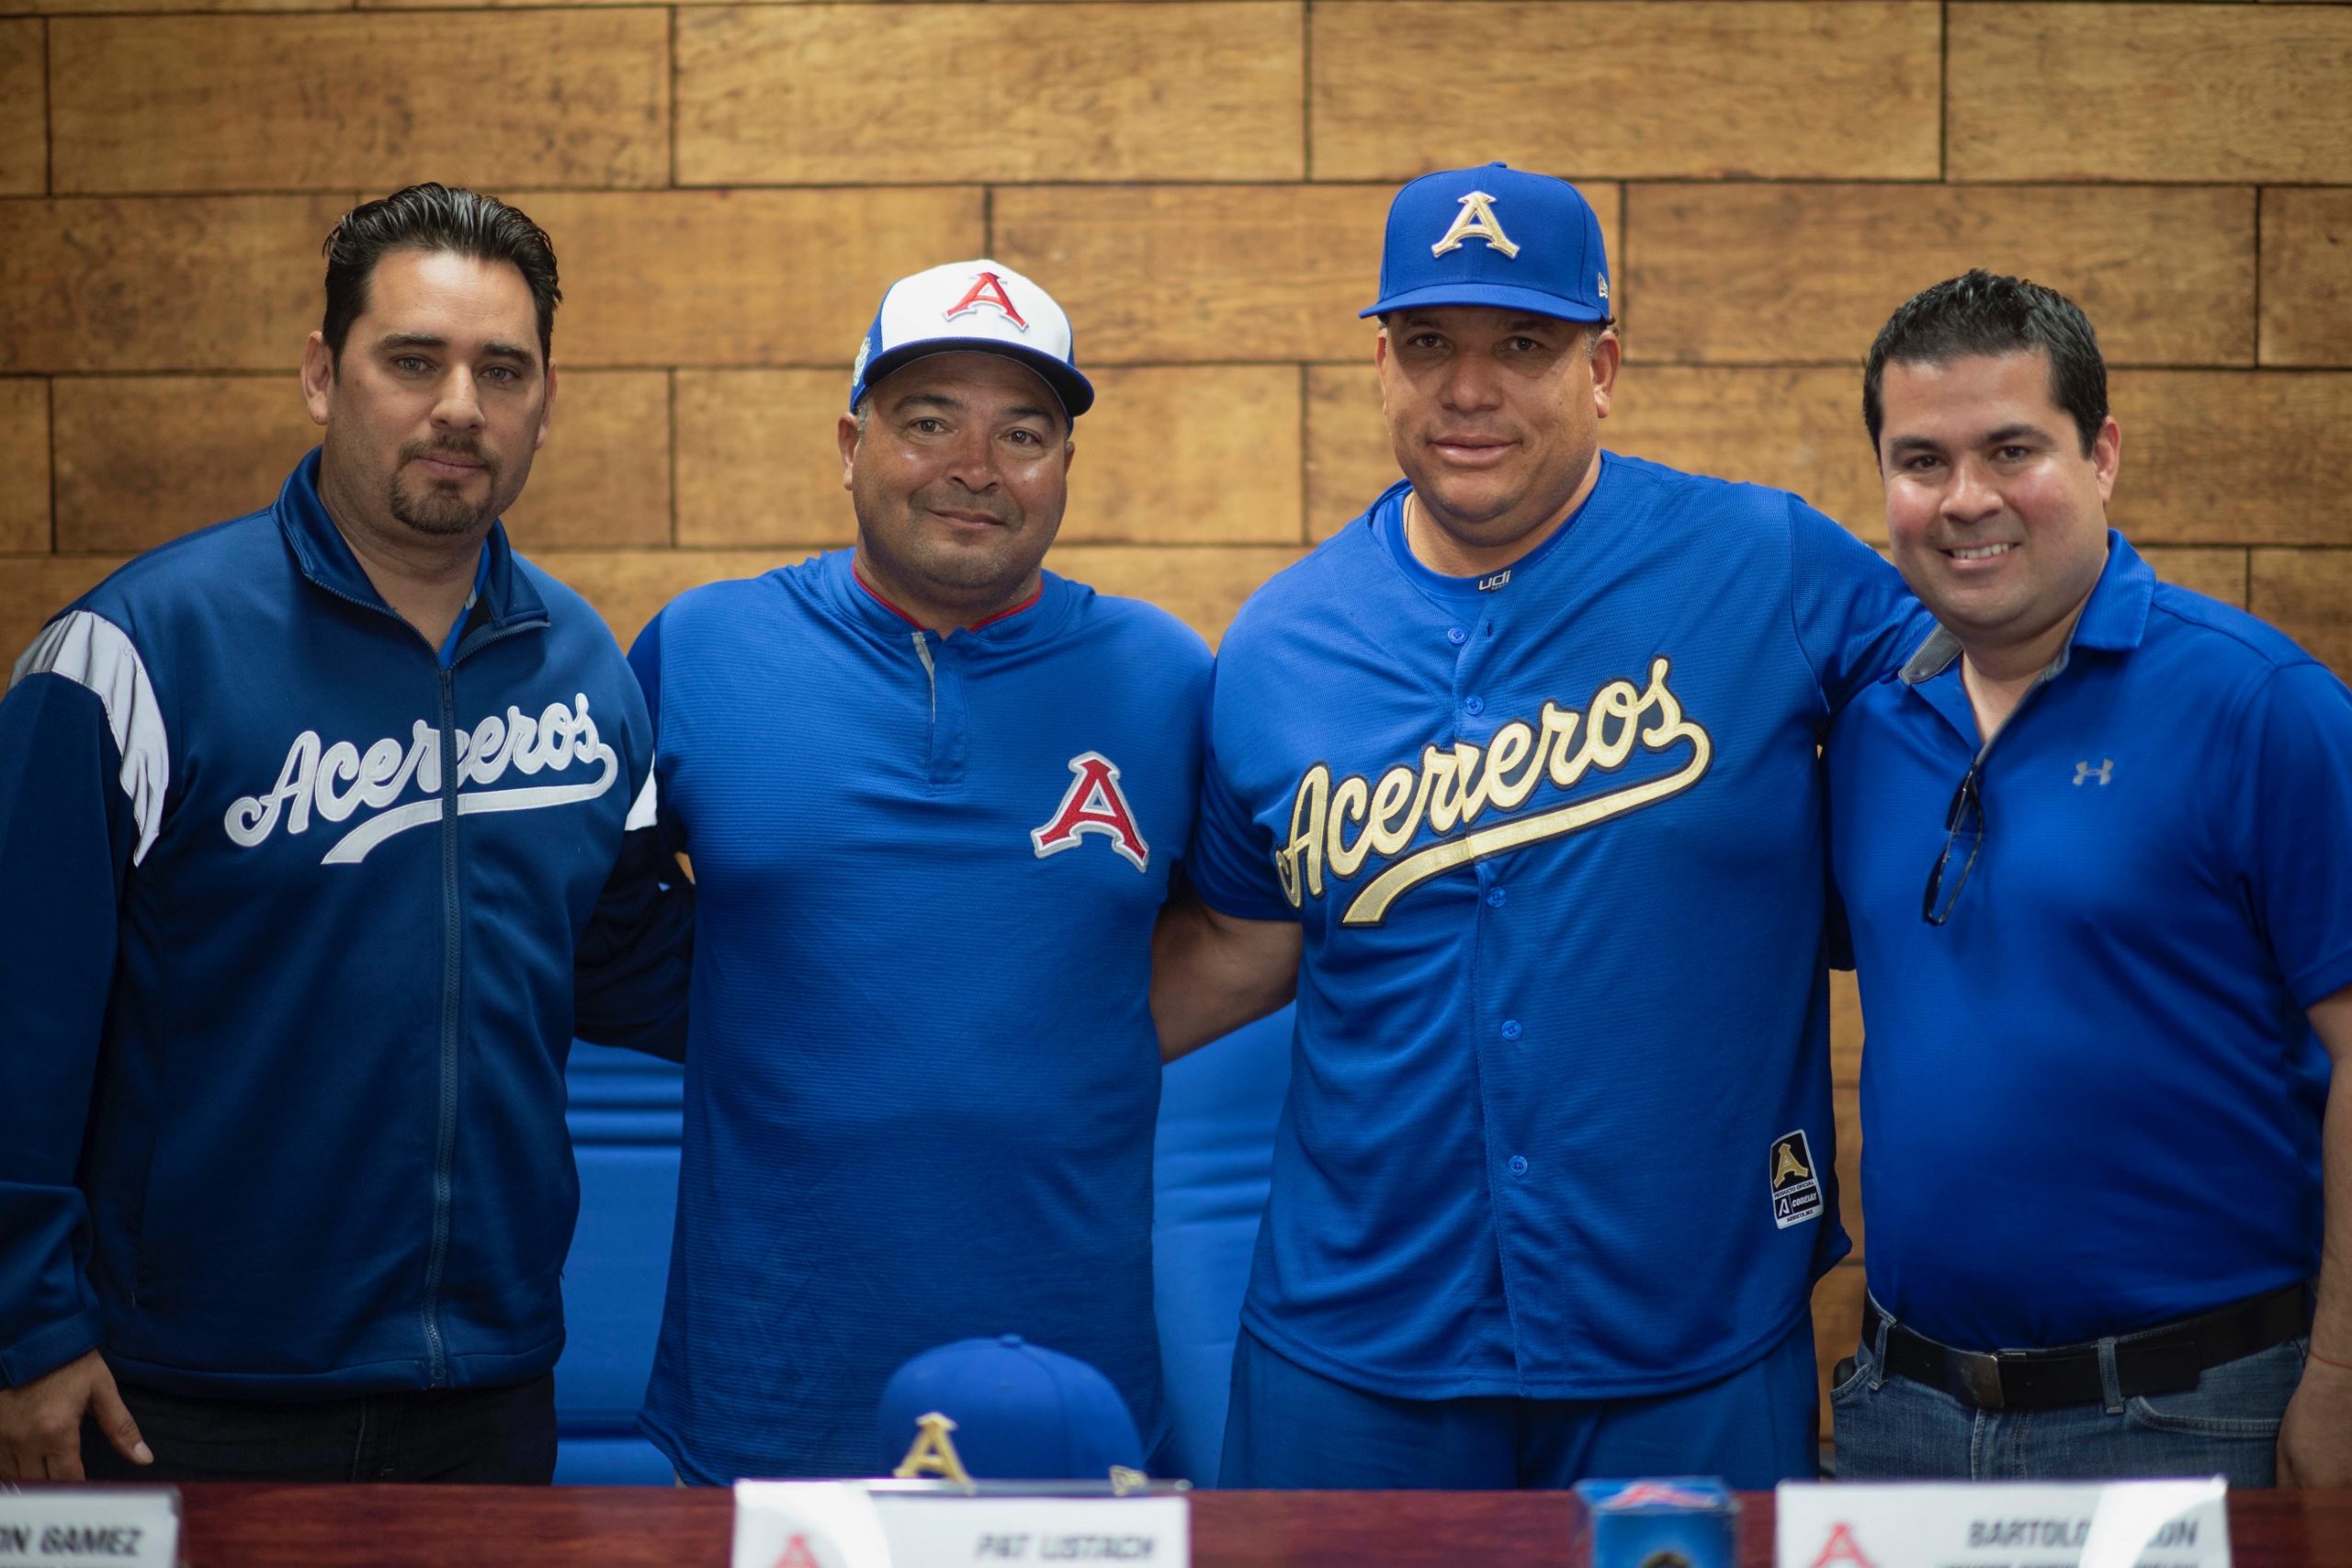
<point x="2093" y="842"/>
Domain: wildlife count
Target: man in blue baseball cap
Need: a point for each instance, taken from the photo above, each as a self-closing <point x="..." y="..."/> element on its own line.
<point x="932" y="793"/>
<point x="1516" y="781"/>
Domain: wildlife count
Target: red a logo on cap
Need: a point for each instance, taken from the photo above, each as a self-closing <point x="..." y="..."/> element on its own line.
<point x="1093" y="804"/>
<point x="987" y="290"/>
<point x="1842" y="1548"/>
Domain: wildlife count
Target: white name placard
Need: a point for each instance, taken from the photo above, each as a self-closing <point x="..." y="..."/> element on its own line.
<point x="76" y="1527"/>
<point x="786" y="1524"/>
<point x="2124" y="1524"/>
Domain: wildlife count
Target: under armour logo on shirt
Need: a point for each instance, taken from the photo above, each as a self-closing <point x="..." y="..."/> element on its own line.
<point x="2105" y="771"/>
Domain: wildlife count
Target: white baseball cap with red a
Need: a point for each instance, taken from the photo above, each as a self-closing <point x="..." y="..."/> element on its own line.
<point x="971" y="307"/>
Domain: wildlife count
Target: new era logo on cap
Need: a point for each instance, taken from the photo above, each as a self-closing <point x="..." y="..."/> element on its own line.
<point x="1494" y="236"/>
<point x="976" y="306"/>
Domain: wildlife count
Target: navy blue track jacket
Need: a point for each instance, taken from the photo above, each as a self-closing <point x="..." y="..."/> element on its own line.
<point x="282" y="1037"/>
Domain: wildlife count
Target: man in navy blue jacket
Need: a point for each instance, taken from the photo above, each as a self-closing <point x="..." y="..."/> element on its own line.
<point x="307" y="822"/>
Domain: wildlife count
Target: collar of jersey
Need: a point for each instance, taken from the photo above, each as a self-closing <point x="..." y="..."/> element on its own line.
<point x="1388" y="523"/>
<point x="2114" y="618"/>
<point x="325" y="557"/>
<point x="867" y="611"/>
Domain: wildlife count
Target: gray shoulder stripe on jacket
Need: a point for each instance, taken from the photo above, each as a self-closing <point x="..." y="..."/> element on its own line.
<point x="93" y="651"/>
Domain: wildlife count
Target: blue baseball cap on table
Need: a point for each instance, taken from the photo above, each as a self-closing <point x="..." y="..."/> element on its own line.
<point x="1014" y="1412"/>
<point x="1494" y="235"/>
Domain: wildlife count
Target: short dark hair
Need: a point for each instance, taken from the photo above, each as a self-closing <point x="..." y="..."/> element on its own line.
<point x="1986" y="312"/>
<point x="434" y="218"/>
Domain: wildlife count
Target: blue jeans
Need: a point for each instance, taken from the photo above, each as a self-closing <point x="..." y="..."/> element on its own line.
<point x="1890" y="1428"/>
<point x="1290" y="1427"/>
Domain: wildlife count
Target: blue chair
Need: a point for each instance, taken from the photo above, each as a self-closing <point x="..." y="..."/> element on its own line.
<point x="625" y="1115"/>
<point x="1218" y="1111"/>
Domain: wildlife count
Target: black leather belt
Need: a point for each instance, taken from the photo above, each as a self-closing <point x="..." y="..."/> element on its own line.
<point x="2164" y="1359"/>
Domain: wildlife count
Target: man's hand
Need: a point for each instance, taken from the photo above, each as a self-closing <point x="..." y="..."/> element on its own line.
<point x="2315" y="1439"/>
<point x="40" y="1423"/>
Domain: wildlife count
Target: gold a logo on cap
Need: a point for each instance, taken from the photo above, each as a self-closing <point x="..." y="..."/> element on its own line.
<point x="1476" y="222"/>
<point x="931" y="1452"/>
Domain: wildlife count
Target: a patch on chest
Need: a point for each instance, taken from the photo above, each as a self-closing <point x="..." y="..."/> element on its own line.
<point x="1796" y="1192"/>
<point x="1093" y="804"/>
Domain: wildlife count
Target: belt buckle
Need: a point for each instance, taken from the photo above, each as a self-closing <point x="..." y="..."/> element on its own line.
<point x="1978" y="1374"/>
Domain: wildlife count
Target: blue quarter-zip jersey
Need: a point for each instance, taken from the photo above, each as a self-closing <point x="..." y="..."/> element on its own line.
<point x="923" y="1074"/>
<point x="282" y="1064"/>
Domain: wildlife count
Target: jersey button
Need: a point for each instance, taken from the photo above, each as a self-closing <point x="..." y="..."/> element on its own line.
<point x="1494" y="897"/>
<point x="1510" y="1029"/>
<point x="1456" y="636"/>
<point x="1518" y="1164"/>
<point x="1474" y="705"/>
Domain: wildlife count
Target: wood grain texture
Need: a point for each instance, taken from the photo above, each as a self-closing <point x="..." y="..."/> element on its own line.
<point x="1189" y="455"/>
<point x="2149" y="92"/>
<point x="755" y="278"/>
<point x="1213" y="273"/>
<point x="637" y="1527"/>
<point x="1174" y="92"/>
<point x="603" y="476"/>
<point x="2307" y="277"/>
<point x="2217" y="573"/>
<point x="1848" y="1109"/>
<point x="1201" y="588"/>
<point x="34" y="588"/>
<point x="144" y="459"/>
<point x="1845" y="1028"/>
<point x="758" y="464"/>
<point x="545" y="98"/>
<point x="210" y="284"/>
<point x="1349" y="459"/>
<point x="2221" y="457"/>
<point x="1628" y="89"/>
<point x="24" y="467"/>
<point x="2307" y="596"/>
<point x="124" y="7"/>
<point x="24" y="110"/>
<point x="1800" y="430"/>
<point x="1796" y="274"/>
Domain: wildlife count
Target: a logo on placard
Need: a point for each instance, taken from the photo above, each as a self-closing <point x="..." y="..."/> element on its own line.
<point x="1796" y="1192"/>
<point x="932" y="1452"/>
<point x="800" y="1552"/>
<point x="1842" y="1547"/>
<point x="1476" y="221"/>
<point x="987" y="290"/>
<point x="1093" y="804"/>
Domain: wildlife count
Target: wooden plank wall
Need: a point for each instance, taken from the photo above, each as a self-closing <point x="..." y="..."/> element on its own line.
<point x="1202" y="182"/>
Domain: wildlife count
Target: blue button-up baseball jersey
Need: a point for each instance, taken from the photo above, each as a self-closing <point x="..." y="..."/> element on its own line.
<point x="1555" y="838"/>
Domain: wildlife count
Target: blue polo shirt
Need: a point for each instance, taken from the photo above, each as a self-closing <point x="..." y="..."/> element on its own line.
<point x="2091" y="1101"/>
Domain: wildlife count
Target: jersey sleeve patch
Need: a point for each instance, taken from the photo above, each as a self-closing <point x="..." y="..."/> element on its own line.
<point x="95" y="653"/>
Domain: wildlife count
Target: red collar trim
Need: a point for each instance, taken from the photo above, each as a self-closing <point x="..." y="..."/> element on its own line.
<point x="876" y="594"/>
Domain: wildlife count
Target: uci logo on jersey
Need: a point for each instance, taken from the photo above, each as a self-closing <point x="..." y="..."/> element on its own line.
<point x="1341" y="825"/>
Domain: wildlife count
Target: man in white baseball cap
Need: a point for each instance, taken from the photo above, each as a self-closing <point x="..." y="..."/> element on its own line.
<point x="932" y="793"/>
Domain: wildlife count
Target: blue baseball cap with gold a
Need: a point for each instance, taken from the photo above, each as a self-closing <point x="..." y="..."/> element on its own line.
<point x="1496" y="236"/>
